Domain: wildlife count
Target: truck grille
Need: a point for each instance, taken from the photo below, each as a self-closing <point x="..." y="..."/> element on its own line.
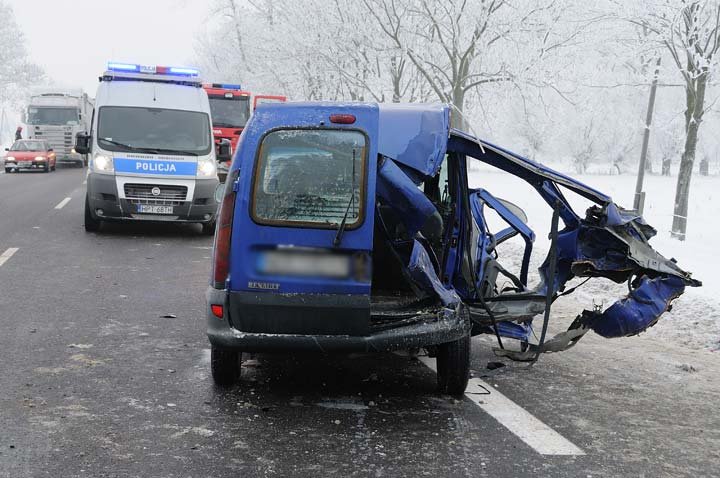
<point x="61" y="141"/>
<point x="170" y="195"/>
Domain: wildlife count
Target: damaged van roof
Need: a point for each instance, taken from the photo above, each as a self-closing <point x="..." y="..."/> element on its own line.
<point x="414" y="135"/>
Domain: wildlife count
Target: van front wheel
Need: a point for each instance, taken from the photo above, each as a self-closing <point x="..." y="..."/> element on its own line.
<point x="453" y="366"/>
<point x="208" y="228"/>
<point x="91" y="223"/>
<point x="225" y="366"/>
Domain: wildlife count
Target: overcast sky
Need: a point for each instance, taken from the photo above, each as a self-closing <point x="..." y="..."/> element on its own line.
<point x="73" y="40"/>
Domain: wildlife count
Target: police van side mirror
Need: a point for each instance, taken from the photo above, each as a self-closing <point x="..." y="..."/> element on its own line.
<point x="224" y="151"/>
<point x="82" y="143"/>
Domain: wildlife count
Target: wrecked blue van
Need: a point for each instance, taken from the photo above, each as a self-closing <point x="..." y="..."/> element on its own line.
<point x="352" y="228"/>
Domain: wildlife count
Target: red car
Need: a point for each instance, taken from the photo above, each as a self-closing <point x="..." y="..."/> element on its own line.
<point x="29" y="154"/>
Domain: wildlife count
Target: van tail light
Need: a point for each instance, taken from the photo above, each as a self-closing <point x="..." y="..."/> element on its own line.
<point x="221" y="251"/>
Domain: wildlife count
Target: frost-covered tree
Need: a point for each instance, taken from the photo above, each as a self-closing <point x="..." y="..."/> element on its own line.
<point x="462" y="46"/>
<point x="16" y="70"/>
<point x="692" y="35"/>
<point x="17" y="73"/>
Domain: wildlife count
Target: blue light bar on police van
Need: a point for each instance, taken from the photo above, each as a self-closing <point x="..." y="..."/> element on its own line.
<point x="153" y="70"/>
<point x="228" y="86"/>
<point x="112" y="66"/>
<point x="182" y="71"/>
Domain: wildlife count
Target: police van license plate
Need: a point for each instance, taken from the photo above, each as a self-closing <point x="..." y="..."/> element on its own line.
<point x="151" y="209"/>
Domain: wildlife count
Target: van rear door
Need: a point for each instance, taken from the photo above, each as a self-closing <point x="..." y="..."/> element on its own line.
<point x="304" y="213"/>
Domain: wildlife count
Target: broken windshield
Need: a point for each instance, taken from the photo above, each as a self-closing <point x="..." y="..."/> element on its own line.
<point x="310" y="177"/>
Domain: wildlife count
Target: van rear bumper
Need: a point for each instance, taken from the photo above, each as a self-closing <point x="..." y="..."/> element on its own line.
<point x="429" y="328"/>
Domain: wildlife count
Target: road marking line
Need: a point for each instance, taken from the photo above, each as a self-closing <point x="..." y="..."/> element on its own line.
<point x="519" y="421"/>
<point x="62" y="203"/>
<point x="85" y="182"/>
<point x="7" y="255"/>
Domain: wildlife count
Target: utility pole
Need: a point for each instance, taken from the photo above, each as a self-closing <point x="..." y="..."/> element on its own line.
<point x="639" y="202"/>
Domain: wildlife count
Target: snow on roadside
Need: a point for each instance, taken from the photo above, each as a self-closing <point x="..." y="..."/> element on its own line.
<point x="695" y="318"/>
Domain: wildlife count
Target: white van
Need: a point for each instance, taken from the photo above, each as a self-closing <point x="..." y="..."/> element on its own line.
<point x="152" y="156"/>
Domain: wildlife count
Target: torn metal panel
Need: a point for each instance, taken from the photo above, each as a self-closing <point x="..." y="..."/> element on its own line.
<point x="397" y="190"/>
<point x="640" y="309"/>
<point x="614" y="245"/>
<point x="423" y="273"/>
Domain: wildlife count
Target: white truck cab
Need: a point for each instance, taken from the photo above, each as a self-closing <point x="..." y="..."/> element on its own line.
<point x="57" y="115"/>
<point x="151" y="149"/>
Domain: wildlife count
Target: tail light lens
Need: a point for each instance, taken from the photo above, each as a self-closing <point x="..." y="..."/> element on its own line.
<point x="342" y="119"/>
<point x="221" y="251"/>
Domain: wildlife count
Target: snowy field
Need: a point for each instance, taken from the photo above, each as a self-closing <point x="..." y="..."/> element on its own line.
<point x="695" y="319"/>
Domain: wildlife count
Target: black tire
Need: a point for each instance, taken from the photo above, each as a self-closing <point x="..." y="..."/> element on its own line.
<point x="453" y="366"/>
<point x="225" y="366"/>
<point x="47" y="168"/>
<point x="208" y="228"/>
<point x="8" y="170"/>
<point x="92" y="224"/>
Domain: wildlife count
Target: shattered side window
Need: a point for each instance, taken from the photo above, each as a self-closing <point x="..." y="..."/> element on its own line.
<point x="310" y="177"/>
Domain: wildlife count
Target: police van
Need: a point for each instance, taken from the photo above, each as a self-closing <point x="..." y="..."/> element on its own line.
<point x="152" y="155"/>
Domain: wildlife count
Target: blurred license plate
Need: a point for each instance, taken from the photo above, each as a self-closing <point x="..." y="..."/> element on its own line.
<point x="24" y="164"/>
<point x="292" y="263"/>
<point x="148" y="209"/>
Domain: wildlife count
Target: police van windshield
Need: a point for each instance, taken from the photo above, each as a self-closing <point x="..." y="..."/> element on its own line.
<point x="310" y="177"/>
<point x="122" y="128"/>
<point x="53" y="116"/>
<point x="229" y="112"/>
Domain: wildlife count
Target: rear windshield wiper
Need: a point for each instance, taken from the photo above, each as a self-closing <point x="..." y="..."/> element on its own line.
<point x="343" y="223"/>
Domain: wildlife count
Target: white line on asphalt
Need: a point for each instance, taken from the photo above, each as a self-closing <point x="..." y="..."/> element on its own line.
<point x="519" y="421"/>
<point x="7" y="255"/>
<point x="85" y="182"/>
<point x="62" y="203"/>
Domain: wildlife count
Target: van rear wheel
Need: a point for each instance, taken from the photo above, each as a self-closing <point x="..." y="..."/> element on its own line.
<point x="453" y="366"/>
<point x="225" y="366"/>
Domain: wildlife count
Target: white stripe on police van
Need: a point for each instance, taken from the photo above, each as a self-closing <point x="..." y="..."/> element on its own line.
<point x="7" y="255"/>
<point x="62" y="203"/>
<point x="519" y="421"/>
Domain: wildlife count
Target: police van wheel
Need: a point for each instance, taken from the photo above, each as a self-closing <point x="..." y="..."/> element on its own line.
<point x="225" y="366"/>
<point x="208" y="229"/>
<point x="453" y="366"/>
<point x="91" y="224"/>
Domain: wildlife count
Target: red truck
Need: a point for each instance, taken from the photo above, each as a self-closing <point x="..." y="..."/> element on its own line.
<point x="230" y="108"/>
